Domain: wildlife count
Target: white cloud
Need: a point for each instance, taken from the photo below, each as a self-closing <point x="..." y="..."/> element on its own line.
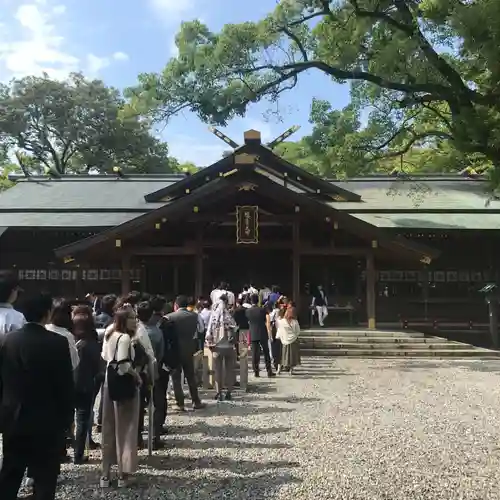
<point x="120" y="56"/>
<point x="34" y="46"/>
<point x="95" y="64"/>
<point x="172" y="9"/>
<point x="59" y="10"/>
<point x="32" y="42"/>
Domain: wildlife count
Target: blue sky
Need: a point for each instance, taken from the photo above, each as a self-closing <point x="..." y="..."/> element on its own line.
<point x="117" y="39"/>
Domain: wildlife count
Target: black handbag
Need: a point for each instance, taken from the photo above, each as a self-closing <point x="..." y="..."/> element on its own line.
<point x="120" y="387"/>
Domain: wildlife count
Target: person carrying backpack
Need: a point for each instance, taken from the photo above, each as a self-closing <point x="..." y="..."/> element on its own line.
<point x="167" y="364"/>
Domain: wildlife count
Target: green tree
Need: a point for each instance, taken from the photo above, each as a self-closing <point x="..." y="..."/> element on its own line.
<point x="75" y="125"/>
<point x="299" y="153"/>
<point x="426" y="69"/>
<point x="187" y="167"/>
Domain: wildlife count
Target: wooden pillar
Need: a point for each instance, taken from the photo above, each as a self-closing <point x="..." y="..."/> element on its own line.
<point x="370" y="290"/>
<point x="493" y="316"/>
<point x="125" y="274"/>
<point x="176" y="278"/>
<point x="425" y="292"/>
<point x="198" y="286"/>
<point x="79" y="285"/>
<point x="296" y="262"/>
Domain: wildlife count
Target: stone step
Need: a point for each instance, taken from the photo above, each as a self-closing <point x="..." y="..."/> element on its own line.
<point x="386" y="346"/>
<point x="392" y="353"/>
<point x="324" y="340"/>
<point x="358" y="333"/>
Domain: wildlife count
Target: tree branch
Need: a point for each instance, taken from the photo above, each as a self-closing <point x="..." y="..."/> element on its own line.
<point x="341" y="74"/>
<point x="297" y="41"/>
<point x="446" y="70"/>
<point x="411" y="142"/>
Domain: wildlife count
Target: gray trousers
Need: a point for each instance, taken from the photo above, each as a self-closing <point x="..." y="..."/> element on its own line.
<point x="224" y="360"/>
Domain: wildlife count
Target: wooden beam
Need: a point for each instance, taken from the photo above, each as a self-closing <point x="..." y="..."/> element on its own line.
<point x="296" y="263"/>
<point x="198" y="284"/>
<point x="260" y="246"/>
<point x="166" y="251"/>
<point x="231" y="218"/>
<point x="304" y="250"/>
<point x="191" y="248"/>
<point x="370" y="290"/>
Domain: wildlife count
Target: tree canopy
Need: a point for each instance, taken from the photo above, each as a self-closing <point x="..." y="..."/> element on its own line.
<point x="75" y="126"/>
<point x="424" y="72"/>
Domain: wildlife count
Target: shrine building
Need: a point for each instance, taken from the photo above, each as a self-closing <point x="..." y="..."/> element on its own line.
<point x="384" y="247"/>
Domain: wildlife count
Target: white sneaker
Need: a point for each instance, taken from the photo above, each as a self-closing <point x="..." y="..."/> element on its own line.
<point x="122" y="482"/>
<point x="104" y="482"/>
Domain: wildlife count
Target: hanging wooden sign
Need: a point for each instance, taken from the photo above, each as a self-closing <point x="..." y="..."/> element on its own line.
<point x="247" y="224"/>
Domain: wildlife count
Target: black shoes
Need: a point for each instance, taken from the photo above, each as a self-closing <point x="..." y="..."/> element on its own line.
<point x="221" y="397"/>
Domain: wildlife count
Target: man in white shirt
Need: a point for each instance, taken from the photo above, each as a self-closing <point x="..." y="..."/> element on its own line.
<point x="217" y="293"/>
<point x="231" y="299"/>
<point x="10" y="319"/>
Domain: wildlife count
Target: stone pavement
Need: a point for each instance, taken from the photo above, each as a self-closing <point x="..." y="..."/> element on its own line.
<point x="339" y="429"/>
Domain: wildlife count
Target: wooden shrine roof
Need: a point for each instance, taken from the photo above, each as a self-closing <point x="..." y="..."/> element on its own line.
<point x="209" y="193"/>
<point x="100" y="201"/>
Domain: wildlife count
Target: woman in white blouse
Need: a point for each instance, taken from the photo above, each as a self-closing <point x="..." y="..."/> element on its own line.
<point x="120" y="419"/>
<point x="288" y="331"/>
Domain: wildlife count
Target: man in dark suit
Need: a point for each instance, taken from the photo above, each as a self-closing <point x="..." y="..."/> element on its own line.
<point x="36" y="402"/>
<point x="185" y="325"/>
<point x="259" y="335"/>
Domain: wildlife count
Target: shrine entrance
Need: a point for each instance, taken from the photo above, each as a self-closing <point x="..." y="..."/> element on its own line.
<point x="248" y="265"/>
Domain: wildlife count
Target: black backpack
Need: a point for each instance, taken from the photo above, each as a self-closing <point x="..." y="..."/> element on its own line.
<point x="120" y="387"/>
<point x="171" y="357"/>
<point x="141" y="358"/>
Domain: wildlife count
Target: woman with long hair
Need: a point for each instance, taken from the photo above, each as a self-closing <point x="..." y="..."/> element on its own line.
<point x="120" y="418"/>
<point x="60" y="322"/>
<point x="288" y="331"/>
<point x="88" y="377"/>
<point x="221" y="333"/>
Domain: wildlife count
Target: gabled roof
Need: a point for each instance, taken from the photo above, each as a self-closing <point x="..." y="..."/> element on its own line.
<point x="418" y="193"/>
<point x="84" y="192"/>
<point x="253" y="152"/>
<point x="226" y="186"/>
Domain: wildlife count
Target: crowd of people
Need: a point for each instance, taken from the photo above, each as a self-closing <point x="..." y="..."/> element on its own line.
<point x="57" y="356"/>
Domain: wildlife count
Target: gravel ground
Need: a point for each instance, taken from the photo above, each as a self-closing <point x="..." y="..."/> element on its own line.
<point x="339" y="429"/>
